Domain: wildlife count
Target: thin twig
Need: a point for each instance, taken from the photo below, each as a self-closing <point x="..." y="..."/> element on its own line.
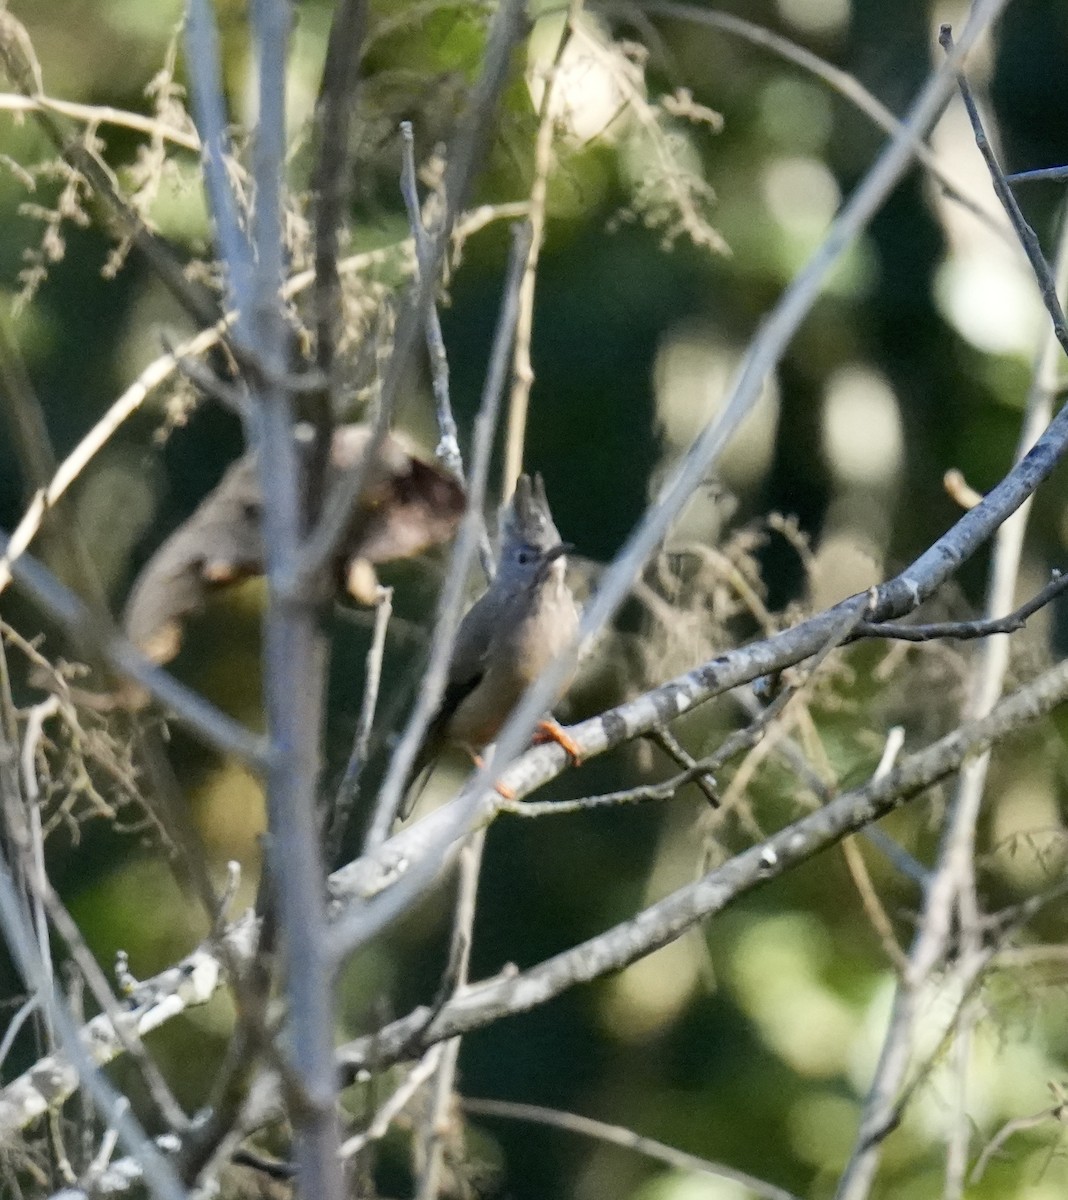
<point x="872" y="904"/>
<point x="348" y="789"/>
<point x="951" y="890"/>
<point x="845" y="84"/>
<point x="1042" y="175"/>
<point x="25" y="1010"/>
<point x="187" y="706"/>
<point x="667" y="919"/>
<point x="330" y="182"/>
<point x="969" y="630"/>
<point x="681" y="757"/>
<point x="437" y="1124"/>
<point x="95" y="115"/>
<point x="619" y="1135"/>
<point x="1028" y="239"/>
<point x="1019" y="1125"/>
<point x="395" y="1104"/>
<point x="448" y="447"/>
<point x="522" y="369"/>
<point x="452" y="593"/>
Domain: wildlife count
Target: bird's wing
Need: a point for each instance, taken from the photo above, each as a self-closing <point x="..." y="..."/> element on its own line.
<point x="470" y="654"/>
<point x="473" y="640"/>
<point x="466" y="668"/>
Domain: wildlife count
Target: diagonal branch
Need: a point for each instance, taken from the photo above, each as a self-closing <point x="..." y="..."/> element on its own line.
<point x="950" y="893"/>
<point x="765" y="351"/>
<point x="618" y="1135"/>
<point x="185" y="705"/>
<point x="666" y="920"/>
<point x="194" y="980"/>
<point x="1027" y="237"/>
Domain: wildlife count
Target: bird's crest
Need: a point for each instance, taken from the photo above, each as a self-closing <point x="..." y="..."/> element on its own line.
<point x="529" y="519"/>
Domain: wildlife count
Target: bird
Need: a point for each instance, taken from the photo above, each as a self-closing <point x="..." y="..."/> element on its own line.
<point x="526" y="616"/>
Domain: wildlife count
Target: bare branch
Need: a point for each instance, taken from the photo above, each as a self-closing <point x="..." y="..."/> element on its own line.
<point x="1042" y="175"/>
<point x="102" y="114"/>
<point x="294" y="649"/>
<point x="968" y="630"/>
<point x="464" y="155"/>
<point x="618" y="1135"/>
<point x="436" y="1124"/>
<point x="951" y="890"/>
<point x="450" y="604"/>
<point x="766" y="349"/>
<point x="330" y="176"/>
<point x="667" y="919"/>
<point x="187" y="707"/>
<point x="845" y="84"/>
<point x="348" y="789"/>
<point x="205" y="72"/>
<point x="523" y="370"/>
<point x="448" y="448"/>
<point x="1028" y="238"/>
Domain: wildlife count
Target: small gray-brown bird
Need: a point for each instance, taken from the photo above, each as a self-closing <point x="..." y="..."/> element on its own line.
<point x="524" y="619"/>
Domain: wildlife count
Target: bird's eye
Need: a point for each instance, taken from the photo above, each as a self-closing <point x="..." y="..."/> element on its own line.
<point x="526" y="557"/>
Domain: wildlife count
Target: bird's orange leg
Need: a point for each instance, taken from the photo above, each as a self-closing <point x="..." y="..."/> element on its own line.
<point x="502" y="789"/>
<point x="553" y="731"/>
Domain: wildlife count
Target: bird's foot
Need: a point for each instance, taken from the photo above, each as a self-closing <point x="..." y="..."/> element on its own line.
<point x="552" y="731"/>
<point x="502" y="789"/>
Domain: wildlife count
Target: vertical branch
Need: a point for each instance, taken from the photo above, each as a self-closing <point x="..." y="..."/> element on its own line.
<point x="523" y="374"/>
<point x="452" y="594"/>
<point x="1026" y="236"/>
<point x="986" y="684"/>
<point x="951" y="891"/>
<point x="333" y="163"/>
<point x="430" y="1185"/>
<point x="294" y="655"/>
<point x="448" y="448"/>
<point x="464" y="155"/>
<point x="27" y="835"/>
<point x="18" y="934"/>
<point x="348" y="790"/>
<point x="330" y="189"/>
<point x="205" y="75"/>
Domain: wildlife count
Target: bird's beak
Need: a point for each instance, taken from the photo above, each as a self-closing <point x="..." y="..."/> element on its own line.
<point x="549" y="557"/>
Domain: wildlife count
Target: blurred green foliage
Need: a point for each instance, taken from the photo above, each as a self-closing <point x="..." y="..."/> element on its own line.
<point x="753" y="1041"/>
